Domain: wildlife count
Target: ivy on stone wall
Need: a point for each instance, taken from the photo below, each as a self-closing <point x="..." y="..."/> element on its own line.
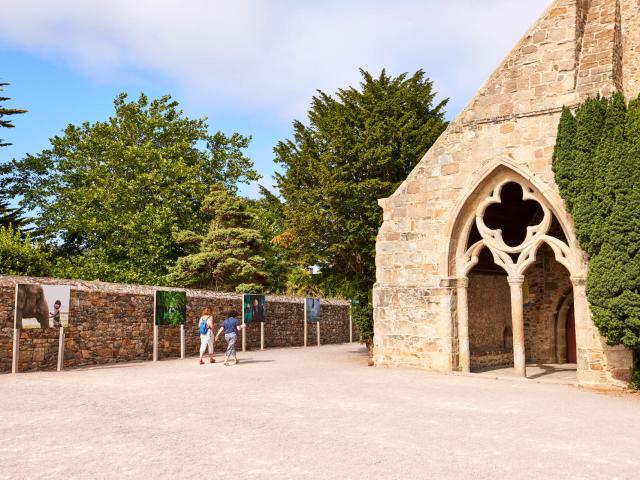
<point x="597" y="169"/>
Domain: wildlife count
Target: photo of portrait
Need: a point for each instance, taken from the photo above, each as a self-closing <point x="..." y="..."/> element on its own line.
<point x="42" y="306"/>
<point x="312" y="306"/>
<point x="255" y="308"/>
<point x="171" y="307"/>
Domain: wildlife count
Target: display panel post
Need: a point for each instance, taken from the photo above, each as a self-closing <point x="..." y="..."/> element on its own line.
<point x="16" y="336"/>
<point x="155" y="328"/>
<point x="16" y="350"/>
<point x="261" y="335"/>
<point x="350" y="325"/>
<point x="305" y="322"/>
<point x="61" y="349"/>
<point x="182" y="342"/>
<point x="244" y="329"/>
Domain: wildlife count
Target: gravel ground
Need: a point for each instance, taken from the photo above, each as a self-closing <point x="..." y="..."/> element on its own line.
<point x="308" y="413"/>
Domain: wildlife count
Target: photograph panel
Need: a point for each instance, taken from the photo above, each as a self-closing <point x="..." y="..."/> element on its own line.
<point x="171" y="307"/>
<point x="312" y="306"/>
<point x="255" y="308"/>
<point x="42" y="306"/>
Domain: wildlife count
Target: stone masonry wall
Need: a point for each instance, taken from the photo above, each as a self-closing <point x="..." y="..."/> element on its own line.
<point x="114" y="323"/>
<point x="489" y="312"/>
<point x="547" y="284"/>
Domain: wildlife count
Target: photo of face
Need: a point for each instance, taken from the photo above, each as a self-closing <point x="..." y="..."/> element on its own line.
<point x="255" y="308"/>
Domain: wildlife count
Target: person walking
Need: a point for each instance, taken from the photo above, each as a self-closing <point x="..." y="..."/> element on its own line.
<point x="230" y="327"/>
<point x="205" y="327"/>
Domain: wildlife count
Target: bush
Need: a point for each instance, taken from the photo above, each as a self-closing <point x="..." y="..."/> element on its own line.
<point x="20" y="256"/>
<point x="597" y="169"/>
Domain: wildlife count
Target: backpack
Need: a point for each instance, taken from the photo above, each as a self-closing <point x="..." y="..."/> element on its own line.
<point x="204" y="328"/>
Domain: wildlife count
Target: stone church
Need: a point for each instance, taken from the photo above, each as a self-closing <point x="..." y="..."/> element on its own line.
<point x="477" y="261"/>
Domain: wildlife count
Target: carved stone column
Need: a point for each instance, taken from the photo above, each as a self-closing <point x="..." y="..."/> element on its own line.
<point x="581" y="315"/>
<point x="463" y="325"/>
<point x="517" y="322"/>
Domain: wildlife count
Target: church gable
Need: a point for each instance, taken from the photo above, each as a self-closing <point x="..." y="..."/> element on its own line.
<point x="577" y="49"/>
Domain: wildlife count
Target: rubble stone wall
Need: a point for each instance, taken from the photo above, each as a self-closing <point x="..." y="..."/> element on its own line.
<point x="112" y="323"/>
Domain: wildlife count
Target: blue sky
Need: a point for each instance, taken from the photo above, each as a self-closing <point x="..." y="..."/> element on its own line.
<point x="250" y="66"/>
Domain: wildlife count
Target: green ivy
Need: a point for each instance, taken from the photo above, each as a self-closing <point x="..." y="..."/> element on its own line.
<point x="597" y="168"/>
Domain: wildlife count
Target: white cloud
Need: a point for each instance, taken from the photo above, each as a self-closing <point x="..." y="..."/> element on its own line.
<point x="268" y="57"/>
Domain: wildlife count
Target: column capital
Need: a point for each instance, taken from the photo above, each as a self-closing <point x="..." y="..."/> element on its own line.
<point x="515" y="279"/>
<point x="578" y="281"/>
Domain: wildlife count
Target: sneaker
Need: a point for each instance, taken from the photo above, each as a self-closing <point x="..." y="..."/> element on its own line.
<point x="226" y="364"/>
<point x="212" y="360"/>
<point x="201" y="362"/>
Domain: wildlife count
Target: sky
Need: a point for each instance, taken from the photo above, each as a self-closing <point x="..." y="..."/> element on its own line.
<point x="249" y="66"/>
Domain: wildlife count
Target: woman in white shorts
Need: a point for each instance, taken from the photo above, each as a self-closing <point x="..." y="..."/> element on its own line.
<point x="205" y="327"/>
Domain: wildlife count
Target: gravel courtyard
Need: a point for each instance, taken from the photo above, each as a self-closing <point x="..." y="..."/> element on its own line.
<point x="308" y="413"/>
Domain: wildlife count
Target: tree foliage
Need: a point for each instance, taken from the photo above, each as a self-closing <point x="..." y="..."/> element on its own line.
<point x="268" y="218"/>
<point x="20" y="256"/>
<point x="228" y="256"/>
<point x="9" y="217"/>
<point x="597" y="168"/>
<point x="357" y="147"/>
<point x="7" y="112"/>
<point x="108" y="195"/>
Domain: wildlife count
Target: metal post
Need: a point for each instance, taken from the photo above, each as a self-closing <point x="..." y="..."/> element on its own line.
<point x="261" y="335"/>
<point x="16" y="350"/>
<point x="61" y="349"/>
<point x="318" y="332"/>
<point x="350" y="324"/>
<point x="155" y="328"/>
<point x="305" y="322"/>
<point x="16" y="335"/>
<point x="182" y="342"/>
<point x="244" y="329"/>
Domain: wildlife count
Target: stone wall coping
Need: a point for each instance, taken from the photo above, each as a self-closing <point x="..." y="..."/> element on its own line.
<point x="107" y="287"/>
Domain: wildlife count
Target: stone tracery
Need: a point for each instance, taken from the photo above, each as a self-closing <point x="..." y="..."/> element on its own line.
<point x="513" y="259"/>
<point x="525" y="253"/>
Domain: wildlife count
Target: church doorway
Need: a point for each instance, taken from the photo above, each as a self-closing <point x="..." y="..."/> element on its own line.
<point x="514" y="266"/>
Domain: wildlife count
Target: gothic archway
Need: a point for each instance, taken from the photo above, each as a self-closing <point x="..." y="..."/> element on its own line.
<point x="509" y="216"/>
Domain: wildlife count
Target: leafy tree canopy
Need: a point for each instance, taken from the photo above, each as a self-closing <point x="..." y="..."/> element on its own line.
<point x="357" y="147"/>
<point x="108" y="195"/>
<point x="597" y="168"/>
<point x="228" y="257"/>
<point x="268" y="218"/>
<point x="21" y="256"/>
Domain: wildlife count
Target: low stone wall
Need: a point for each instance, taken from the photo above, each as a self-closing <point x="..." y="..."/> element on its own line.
<point x="487" y="360"/>
<point x="114" y="323"/>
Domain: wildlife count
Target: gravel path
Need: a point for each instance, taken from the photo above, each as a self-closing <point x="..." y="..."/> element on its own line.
<point x="308" y="413"/>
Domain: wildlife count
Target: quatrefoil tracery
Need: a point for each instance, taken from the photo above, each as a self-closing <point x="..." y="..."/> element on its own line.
<point x="514" y="259"/>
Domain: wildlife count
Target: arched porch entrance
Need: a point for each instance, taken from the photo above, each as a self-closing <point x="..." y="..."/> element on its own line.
<point x="515" y="266"/>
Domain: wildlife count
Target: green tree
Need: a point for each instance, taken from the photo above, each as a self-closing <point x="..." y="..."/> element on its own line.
<point x="7" y="112"/>
<point x="228" y="256"/>
<point x="108" y="195"/>
<point x="357" y="147"/>
<point x="597" y="168"/>
<point x="8" y="216"/>
<point x="20" y="256"/>
<point x="268" y="218"/>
